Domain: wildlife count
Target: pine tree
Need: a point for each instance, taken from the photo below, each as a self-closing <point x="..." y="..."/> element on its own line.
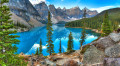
<point x="7" y="49"/>
<point x="70" y="43"/>
<point x="40" y="48"/>
<point x="84" y="14"/>
<point x="50" y="46"/>
<point x="60" y="49"/>
<point x="37" y="52"/>
<point x="106" y="26"/>
<point x="83" y="37"/>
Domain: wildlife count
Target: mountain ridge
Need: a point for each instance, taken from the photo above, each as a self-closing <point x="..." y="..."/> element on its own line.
<point x="64" y="14"/>
<point x="36" y="15"/>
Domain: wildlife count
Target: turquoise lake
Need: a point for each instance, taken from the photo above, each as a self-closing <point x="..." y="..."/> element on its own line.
<point x="29" y="41"/>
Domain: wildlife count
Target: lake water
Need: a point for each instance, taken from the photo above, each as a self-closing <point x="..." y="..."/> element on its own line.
<point x="30" y="40"/>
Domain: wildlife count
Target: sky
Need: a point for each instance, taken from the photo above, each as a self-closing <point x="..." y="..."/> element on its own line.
<point x="98" y="5"/>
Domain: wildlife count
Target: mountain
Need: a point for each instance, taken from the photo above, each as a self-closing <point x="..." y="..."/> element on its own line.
<point x="36" y="15"/>
<point x="24" y="12"/>
<point x="98" y="20"/>
<point x="59" y="14"/>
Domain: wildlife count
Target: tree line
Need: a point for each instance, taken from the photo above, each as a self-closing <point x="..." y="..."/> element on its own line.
<point x="97" y="21"/>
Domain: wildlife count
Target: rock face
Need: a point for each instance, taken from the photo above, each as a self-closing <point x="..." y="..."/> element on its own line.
<point x="115" y="37"/>
<point x="93" y="56"/>
<point x="74" y="12"/>
<point x="42" y="9"/>
<point x="113" y="51"/>
<point x="112" y="62"/>
<point x="71" y="63"/>
<point x="25" y="10"/>
<point x="104" y="42"/>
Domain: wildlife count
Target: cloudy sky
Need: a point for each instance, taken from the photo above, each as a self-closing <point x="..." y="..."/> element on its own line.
<point x="99" y="5"/>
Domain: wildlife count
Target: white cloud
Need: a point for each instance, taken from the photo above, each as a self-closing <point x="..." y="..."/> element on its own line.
<point x="36" y="1"/>
<point x="102" y="8"/>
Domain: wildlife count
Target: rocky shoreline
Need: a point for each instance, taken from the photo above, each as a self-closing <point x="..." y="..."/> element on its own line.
<point x="105" y="51"/>
<point x="95" y="30"/>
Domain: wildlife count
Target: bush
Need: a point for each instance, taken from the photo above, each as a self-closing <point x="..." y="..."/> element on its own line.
<point x="84" y="49"/>
<point x="69" y="52"/>
<point x="53" y="53"/>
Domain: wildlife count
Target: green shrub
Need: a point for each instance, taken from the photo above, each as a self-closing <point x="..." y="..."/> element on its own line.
<point x="84" y="49"/>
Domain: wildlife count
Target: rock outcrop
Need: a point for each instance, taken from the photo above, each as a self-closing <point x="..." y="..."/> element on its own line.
<point x="104" y="51"/>
<point x="93" y="56"/>
<point x="113" y="51"/>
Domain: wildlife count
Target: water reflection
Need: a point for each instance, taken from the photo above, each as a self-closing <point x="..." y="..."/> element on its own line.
<point x="30" y="39"/>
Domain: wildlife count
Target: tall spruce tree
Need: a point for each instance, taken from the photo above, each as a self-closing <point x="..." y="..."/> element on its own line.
<point x="37" y="52"/>
<point x="83" y="37"/>
<point x="7" y="40"/>
<point x="50" y="46"/>
<point x="70" y="43"/>
<point x="40" y="48"/>
<point x="106" y="26"/>
<point x="60" y="48"/>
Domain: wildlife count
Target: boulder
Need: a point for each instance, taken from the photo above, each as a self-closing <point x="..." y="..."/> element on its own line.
<point x="71" y="63"/>
<point x="115" y="37"/>
<point x="49" y="63"/>
<point x="112" y="62"/>
<point x="113" y="51"/>
<point x="104" y="42"/>
<point x="93" y="56"/>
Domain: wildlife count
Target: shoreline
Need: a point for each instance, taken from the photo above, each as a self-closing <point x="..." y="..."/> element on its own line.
<point x="94" y="30"/>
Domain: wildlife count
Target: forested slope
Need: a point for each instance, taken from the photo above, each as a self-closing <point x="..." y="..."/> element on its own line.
<point x="95" y="22"/>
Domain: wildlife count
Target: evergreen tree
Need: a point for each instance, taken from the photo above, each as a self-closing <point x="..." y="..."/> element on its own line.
<point x="37" y="52"/>
<point x="50" y="46"/>
<point x="7" y="40"/>
<point x="106" y="26"/>
<point x="60" y="49"/>
<point x="40" y="48"/>
<point x="83" y="37"/>
<point x="70" y="43"/>
<point x="84" y="14"/>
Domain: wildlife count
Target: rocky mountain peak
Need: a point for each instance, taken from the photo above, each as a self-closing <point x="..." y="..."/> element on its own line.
<point x="64" y="8"/>
<point x="85" y="9"/>
<point x="59" y="8"/>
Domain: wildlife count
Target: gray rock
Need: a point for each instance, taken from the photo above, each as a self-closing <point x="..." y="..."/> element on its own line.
<point x="105" y="42"/>
<point x="93" y="56"/>
<point x="71" y="63"/>
<point x="115" y="37"/>
<point x="112" y="62"/>
<point x="113" y="51"/>
<point x="50" y="63"/>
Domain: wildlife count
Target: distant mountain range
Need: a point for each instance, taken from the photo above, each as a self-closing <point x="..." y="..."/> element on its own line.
<point x="24" y="12"/>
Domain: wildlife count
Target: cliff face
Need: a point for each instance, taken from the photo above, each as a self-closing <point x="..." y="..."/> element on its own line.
<point x="42" y="10"/>
<point x="25" y="10"/>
